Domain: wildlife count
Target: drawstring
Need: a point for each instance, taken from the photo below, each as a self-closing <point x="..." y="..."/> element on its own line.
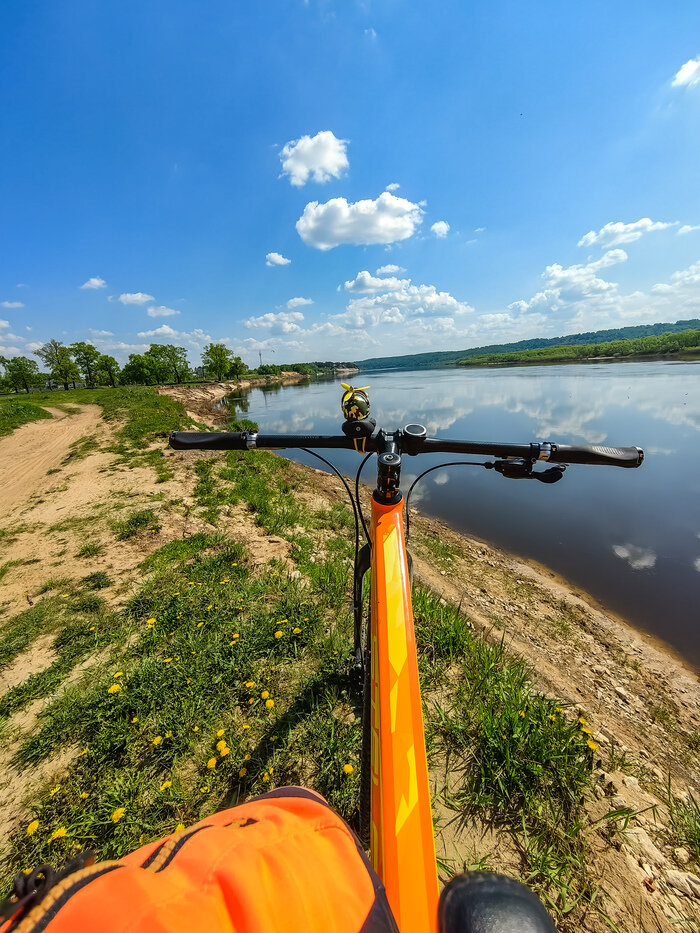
<point x="30" y="889"/>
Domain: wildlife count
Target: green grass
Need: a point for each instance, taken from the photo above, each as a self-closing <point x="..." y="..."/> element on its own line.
<point x="91" y="549"/>
<point x="15" y="412"/>
<point x="685" y="823"/>
<point x="136" y="522"/>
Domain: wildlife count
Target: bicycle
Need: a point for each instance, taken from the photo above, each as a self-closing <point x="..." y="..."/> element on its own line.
<point x="395" y="809"/>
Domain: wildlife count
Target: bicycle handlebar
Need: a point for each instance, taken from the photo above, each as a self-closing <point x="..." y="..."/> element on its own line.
<point x="411" y="445"/>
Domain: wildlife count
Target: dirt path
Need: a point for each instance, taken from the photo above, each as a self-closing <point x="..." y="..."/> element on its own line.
<point x="29" y="452"/>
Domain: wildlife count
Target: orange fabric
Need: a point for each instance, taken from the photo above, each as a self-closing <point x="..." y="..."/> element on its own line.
<point x="275" y="863"/>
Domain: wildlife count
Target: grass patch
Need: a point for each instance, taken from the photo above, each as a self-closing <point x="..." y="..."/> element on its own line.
<point x="135" y="522"/>
<point x="15" y="412"/>
<point x="96" y="581"/>
<point x="685" y="823"/>
<point x="91" y="549"/>
<point x="81" y="448"/>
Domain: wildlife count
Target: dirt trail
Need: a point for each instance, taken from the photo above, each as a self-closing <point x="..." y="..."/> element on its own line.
<point x="29" y="452"/>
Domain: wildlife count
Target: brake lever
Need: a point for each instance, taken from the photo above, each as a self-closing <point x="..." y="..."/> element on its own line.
<point x="522" y="469"/>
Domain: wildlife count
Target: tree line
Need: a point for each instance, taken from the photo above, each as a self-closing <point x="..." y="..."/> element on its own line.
<point x="161" y="363"/>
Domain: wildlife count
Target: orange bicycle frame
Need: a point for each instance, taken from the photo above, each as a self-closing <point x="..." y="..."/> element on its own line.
<point x="402" y="846"/>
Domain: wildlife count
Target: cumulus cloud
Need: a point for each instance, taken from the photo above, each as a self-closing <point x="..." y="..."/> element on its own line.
<point x="322" y="157"/>
<point x="160" y="311"/>
<point x="687" y="228"/>
<point x="639" y="558"/>
<point x="94" y="282"/>
<point x="440" y="228"/>
<point x="299" y="302"/>
<point x="387" y="219"/>
<point x="195" y="338"/>
<point x="276" y="259"/>
<point x="613" y="233"/>
<point x="688" y="75"/>
<point x="389" y="270"/>
<point x="284" y="322"/>
<point x="11" y="304"/>
<point x="163" y="331"/>
<point x="396" y="301"/>
<point x="101" y="333"/>
<point x="4" y="323"/>
<point x="135" y="298"/>
<point x="394" y="186"/>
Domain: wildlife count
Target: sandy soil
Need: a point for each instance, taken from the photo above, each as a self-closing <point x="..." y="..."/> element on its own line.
<point x="618" y="678"/>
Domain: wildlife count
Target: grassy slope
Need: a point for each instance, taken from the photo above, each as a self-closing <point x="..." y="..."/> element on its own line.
<point x="16" y="411"/>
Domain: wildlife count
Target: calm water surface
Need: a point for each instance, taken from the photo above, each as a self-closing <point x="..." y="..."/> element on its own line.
<point x="629" y="537"/>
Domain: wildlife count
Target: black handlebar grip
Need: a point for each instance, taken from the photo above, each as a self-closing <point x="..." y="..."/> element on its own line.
<point x="220" y="440"/>
<point x="610" y="456"/>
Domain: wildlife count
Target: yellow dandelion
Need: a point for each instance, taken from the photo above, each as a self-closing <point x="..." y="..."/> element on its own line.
<point x="84" y="795"/>
<point x="141" y="838"/>
<point x="264" y="695"/>
<point x="167" y="660"/>
<point x="251" y="701"/>
<point x="271" y="770"/>
<point x="58" y="833"/>
<point x="225" y="751"/>
<point x="278" y="634"/>
<point x="522" y="714"/>
<point x="250" y="683"/>
<point x="32" y="828"/>
<point x="168" y="735"/>
<point x="118" y="674"/>
<point x="269" y="703"/>
<point x="179" y="828"/>
<point x="190" y="583"/>
<point x="231" y="643"/>
<point x="118" y="814"/>
<point x="176" y="593"/>
<point x="591" y="744"/>
<point x="245" y="726"/>
<point x="91" y="629"/>
<point x="189" y="680"/>
<point x="266" y="778"/>
<point x="348" y="769"/>
<point x="552" y="718"/>
<point x="242" y="772"/>
<point x="200" y="624"/>
<point x="84" y="752"/>
<point x="283" y="621"/>
<point x="195" y="728"/>
<point x="65" y="595"/>
<point x="135" y="720"/>
<point x="158" y="739"/>
<point x="247" y="757"/>
<point x="586" y="730"/>
<point x="54" y="791"/>
<point x="582" y="721"/>
<point x="557" y="709"/>
<point x="150" y="621"/>
<point x="115" y="688"/>
<point x="211" y="764"/>
<point x="296" y="631"/>
<point x="220" y="745"/>
<point x="210" y="606"/>
<point x="204" y="790"/>
<point x="165" y="785"/>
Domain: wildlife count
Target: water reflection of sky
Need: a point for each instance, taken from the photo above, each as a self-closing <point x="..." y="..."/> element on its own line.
<point x="630" y="537"/>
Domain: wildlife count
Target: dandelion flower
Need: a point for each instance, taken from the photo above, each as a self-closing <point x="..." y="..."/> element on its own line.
<point x="58" y="833"/>
<point x="250" y="683"/>
<point x="189" y="680"/>
<point x="245" y="726"/>
<point x="225" y="751"/>
<point x="266" y="778"/>
<point x="150" y="622"/>
<point x="195" y="728"/>
<point x="242" y="772"/>
<point x="115" y="688"/>
<point x="91" y="629"/>
<point x="582" y="721"/>
<point x="591" y="744"/>
<point x="135" y="720"/>
<point x="179" y="828"/>
<point x="296" y="631"/>
<point x="165" y="785"/>
<point x="84" y="795"/>
<point x="269" y="703"/>
<point x="220" y="732"/>
<point x="118" y="814"/>
<point x="52" y="793"/>
<point x="586" y="730"/>
<point x="32" y="828"/>
<point x="279" y="634"/>
<point x="251" y="701"/>
<point x="84" y="752"/>
<point x="231" y="643"/>
<point x="283" y="621"/>
<point x="118" y="674"/>
<point x="167" y="660"/>
<point x="141" y="838"/>
<point x="247" y="757"/>
<point x="210" y="606"/>
<point x="211" y="764"/>
<point x="348" y="769"/>
<point x="158" y="739"/>
<point x="522" y="714"/>
<point x="220" y="745"/>
<point x="200" y="624"/>
<point x="204" y="790"/>
<point x="264" y="695"/>
<point x="65" y="595"/>
<point x="552" y="718"/>
<point x="168" y="735"/>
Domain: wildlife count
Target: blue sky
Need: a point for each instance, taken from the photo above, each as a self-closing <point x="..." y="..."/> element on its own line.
<point x="514" y="169"/>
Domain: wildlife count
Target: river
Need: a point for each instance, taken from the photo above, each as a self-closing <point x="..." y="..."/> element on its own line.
<point x="631" y="538"/>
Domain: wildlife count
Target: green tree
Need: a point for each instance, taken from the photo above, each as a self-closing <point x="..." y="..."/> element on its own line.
<point x="107" y="369"/>
<point x="86" y="357"/>
<point x="217" y="361"/>
<point x="237" y="368"/>
<point x="140" y="370"/>
<point x="21" y="372"/>
<point x="59" y="359"/>
<point x="170" y="362"/>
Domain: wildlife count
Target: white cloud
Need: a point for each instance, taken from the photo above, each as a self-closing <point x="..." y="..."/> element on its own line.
<point x="688" y="75"/>
<point x="94" y="282"/>
<point x="371" y="34"/>
<point x="613" y="233"/>
<point x="639" y="558"/>
<point x="322" y="157"/>
<point x="4" y="323"/>
<point x="161" y="311"/>
<point x="440" y="228"/>
<point x="687" y="228"/>
<point x="385" y="220"/>
<point x="389" y="270"/>
<point x="13" y="351"/>
<point x="101" y="333"/>
<point x="135" y="298"/>
<point x="163" y="331"/>
<point x="20" y="285"/>
<point x="697" y="564"/>
<point x="195" y="338"/>
<point x="299" y="302"/>
<point x="479" y="229"/>
<point x="394" y="186"/>
<point x="285" y="322"/>
<point x="276" y="259"/>
<point x="11" y="304"/>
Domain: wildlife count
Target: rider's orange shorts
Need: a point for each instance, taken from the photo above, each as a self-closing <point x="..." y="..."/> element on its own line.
<point x="283" y="861"/>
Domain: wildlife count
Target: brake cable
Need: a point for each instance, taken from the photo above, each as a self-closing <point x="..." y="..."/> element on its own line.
<point x="438" y="467"/>
<point x="357" y="497"/>
<point x="348" y="491"/>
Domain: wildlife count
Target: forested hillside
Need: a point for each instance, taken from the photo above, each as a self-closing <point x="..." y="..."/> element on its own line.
<point x="451" y="357"/>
